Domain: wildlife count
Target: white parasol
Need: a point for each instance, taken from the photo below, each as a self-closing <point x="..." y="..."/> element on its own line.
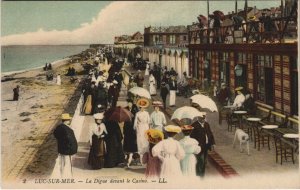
<point x="187" y="112"/>
<point x="204" y="102"/>
<point x="140" y="92"/>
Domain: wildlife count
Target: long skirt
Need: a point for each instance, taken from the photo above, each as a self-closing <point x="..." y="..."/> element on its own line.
<point x="152" y="89"/>
<point x="147" y="71"/>
<point x="172" y="97"/>
<point x="97" y="153"/>
<point x="87" y="109"/>
<point x="142" y="142"/>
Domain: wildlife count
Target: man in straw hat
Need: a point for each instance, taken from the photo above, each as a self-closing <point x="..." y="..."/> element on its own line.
<point x="158" y="119"/>
<point x="170" y="152"/>
<point x="66" y="145"/>
<point x="203" y="134"/>
<point x="153" y="168"/>
<point x="191" y="147"/>
<point x="141" y="124"/>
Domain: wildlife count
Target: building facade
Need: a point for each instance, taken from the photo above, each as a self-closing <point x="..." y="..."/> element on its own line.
<point x="267" y="67"/>
<point x="172" y="36"/>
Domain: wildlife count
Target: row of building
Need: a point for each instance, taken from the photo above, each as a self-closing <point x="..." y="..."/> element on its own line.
<point x="261" y="60"/>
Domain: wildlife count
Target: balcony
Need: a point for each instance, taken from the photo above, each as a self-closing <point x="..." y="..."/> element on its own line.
<point x="282" y="30"/>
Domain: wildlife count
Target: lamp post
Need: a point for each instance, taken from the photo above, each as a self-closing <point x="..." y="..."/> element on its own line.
<point x="238" y="70"/>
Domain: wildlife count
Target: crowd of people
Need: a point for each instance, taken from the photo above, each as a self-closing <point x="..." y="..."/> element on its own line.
<point x="147" y="139"/>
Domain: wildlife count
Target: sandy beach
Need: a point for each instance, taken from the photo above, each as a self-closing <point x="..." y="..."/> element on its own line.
<point x="28" y="146"/>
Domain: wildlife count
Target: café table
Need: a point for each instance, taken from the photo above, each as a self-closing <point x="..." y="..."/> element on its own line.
<point x="239" y="114"/>
<point x="254" y="121"/>
<point x="294" y="139"/>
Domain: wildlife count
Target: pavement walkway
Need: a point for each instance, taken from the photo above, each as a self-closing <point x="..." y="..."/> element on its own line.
<point x="231" y="159"/>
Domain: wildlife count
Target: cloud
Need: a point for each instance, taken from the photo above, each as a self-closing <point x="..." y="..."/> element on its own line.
<point x="122" y="17"/>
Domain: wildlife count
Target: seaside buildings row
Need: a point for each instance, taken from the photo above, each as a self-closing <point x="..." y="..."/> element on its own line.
<point x="253" y="48"/>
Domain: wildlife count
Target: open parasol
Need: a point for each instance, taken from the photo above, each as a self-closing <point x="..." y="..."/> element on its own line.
<point x="118" y="114"/>
<point x="202" y="19"/>
<point x="187" y="112"/>
<point x="219" y="14"/>
<point x="140" y="92"/>
<point x="204" y="102"/>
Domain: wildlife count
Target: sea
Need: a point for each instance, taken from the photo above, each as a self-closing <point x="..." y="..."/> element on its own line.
<point x="22" y="58"/>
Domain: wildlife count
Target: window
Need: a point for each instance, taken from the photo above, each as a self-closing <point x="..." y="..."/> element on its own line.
<point x="172" y="39"/>
<point x="155" y="39"/>
<point x="224" y="70"/>
<point x="241" y="58"/>
<point x="265" y="79"/>
<point x="184" y="38"/>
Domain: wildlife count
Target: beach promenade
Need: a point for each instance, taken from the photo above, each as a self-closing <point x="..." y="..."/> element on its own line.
<point x="35" y="163"/>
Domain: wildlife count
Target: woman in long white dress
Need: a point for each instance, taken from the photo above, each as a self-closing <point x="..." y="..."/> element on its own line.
<point x="191" y="147"/>
<point x="147" y="69"/>
<point x="152" y="84"/>
<point x="170" y="152"/>
<point x="141" y="125"/>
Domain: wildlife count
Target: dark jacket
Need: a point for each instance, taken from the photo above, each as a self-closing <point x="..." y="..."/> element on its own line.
<point x="164" y="92"/>
<point x="173" y="87"/>
<point x="66" y="140"/>
<point x="199" y="133"/>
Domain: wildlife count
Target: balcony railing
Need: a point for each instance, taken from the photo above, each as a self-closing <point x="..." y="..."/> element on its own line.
<point x="248" y="32"/>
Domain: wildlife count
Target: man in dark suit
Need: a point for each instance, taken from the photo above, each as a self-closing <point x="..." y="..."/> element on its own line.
<point x="203" y="134"/>
<point x="164" y="91"/>
<point x="66" y="145"/>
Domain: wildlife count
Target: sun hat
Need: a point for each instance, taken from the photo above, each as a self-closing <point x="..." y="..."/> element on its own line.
<point x="142" y="102"/>
<point x="187" y="128"/>
<point x="154" y="136"/>
<point x="157" y="103"/>
<point x="66" y="116"/>
<point x="172" y="129"/>
<point x="239" y="88"/>
<point x="98" y="115"/>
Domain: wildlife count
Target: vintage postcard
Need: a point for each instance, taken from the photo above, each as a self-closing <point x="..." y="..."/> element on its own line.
<point x="149" y="94"/>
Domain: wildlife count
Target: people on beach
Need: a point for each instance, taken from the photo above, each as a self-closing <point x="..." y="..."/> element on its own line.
<point x="58" y="79"/>
<point x="66" y="145"/>
<point x="16" y="92"/>
<point x="153" y="163"/>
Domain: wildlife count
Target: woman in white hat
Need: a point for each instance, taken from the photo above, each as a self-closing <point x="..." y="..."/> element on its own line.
<point x="98" y="148"/>
<point x="141" y="125"/>
<point x="170" y="152"/>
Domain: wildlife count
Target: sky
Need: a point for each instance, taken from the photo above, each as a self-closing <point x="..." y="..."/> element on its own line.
<point x="86" y="22"/>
